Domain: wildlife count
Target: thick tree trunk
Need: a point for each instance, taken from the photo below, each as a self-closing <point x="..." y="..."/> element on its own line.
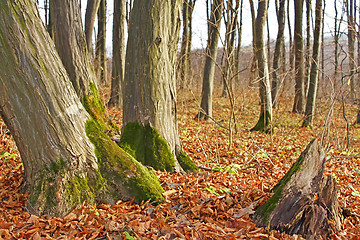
<point x="71" y="45"/>
<point x="314" y="72"/>
<point x="264" y="121"/>
<point x="150" y="126"/>
<point x="118" y="59"/>
<point x="278" y="54"/>
<point x="302" y="203"/>
<point x="67" y="158"/>
<point x="100" y="56"/>
<point x="210" y="60"/>
<point x="299" y="59"/>
<point x="90" y="16"/>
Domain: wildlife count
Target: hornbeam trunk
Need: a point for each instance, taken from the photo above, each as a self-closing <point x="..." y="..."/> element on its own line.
<point x="67" y="158"/>
<point x="150" y="126"/>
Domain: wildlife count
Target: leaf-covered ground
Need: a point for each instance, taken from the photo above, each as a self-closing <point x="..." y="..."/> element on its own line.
<point x="238" y="174"/>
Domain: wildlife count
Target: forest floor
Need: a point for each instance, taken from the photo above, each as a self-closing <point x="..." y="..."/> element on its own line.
<point x="214" y="203"/>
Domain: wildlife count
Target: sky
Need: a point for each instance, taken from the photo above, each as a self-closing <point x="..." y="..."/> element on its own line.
<point x="200" y="22"/>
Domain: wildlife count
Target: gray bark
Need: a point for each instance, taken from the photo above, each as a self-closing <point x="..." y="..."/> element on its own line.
<point x="71" y="44"/>
<point x="118" y="60"/>
<point x="149" y="93"/>
<point x="90" y="15"/>
<point x="51" y="127"/>
<point x="299" y="59"/>
<point x="314" y="72"/>
<point x="350" y="9"/>
<point x="100" y="56"/>
<point x="265" y="118"/>
<point x="210" y="60"/>
<point x="278" y="54"/>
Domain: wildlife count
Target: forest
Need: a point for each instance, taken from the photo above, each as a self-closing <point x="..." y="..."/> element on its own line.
<point x="159" y="139"/>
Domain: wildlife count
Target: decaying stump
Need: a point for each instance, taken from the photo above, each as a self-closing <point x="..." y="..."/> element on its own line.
<point x="303" y="202"/>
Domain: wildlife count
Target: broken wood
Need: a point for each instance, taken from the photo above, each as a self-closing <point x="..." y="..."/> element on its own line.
<point x="303" y="202"/>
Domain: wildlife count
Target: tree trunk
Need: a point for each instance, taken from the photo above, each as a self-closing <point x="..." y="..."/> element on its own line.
<point x="100" y="56"/>
<point x="210" y="60"/>
<point x="314" y="73"/>
<point x="238" y="47"/>
<point x="150" y="126"/>
<point x="351" y="48"/>
<point x="302" y="203"/>
<point x="307" y="47"/>
<point x="71" y="45"/>
<point x="263" y="124"/>
<point x="67" y="158"/>
<point x="90" y="16"/>
<point x="299" y="59"/>
<point x="278" y="54"/>
<point x="118" y="59"/>
<point x="184" y="62"/>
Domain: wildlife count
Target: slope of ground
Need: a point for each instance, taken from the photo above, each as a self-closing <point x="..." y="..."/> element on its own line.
<point x="237" y="174"/>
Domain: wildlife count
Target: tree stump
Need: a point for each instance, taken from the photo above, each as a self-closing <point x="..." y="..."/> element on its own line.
<point x="303" y="202"/>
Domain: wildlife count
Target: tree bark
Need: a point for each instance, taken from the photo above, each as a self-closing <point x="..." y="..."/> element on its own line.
<point x="118" y="59"/>
<point x="307" y="47"/>
<point x="210" y="60"/>
<point x="184" y="62"/>
<point x="90" y="16"/>
<point x="263" y="124"/>
<point x="278" y="54"/>
<point x="302" y="203"/>
<point x="67" y="158"/>
<point x="314" y="72"/>
<point x="349" y="4"/>
<point x="299" y="59"/>
<point x="100" y="53"/>
<point x="71" y="45"/>
<point x="150" y="126"/>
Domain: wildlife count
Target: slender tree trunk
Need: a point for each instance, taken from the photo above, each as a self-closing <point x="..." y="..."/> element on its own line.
<point x="56" y="137"/>
<point x="336" y="45"/>
<point x="278" y="54"/>
<point x="307" y="46"/>
<point x="150" y="130"/>
<point x="314" y="73"/>
<point x="351" y="47"/>
<point x="100" y="64"/>
<point x="118" y="59"/>
<point x="210" y="60"/>
<point x="184" y="63"/>
<point x="299" y="59"/>
<point x="238" y="47"/>
<point x="264" y="121"/>
<point x="71" y="45"/>
<point x="291" y="45"/>
<point x="90" y="16"/>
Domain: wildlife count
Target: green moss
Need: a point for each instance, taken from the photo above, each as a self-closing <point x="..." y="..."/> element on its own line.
<point x="185" y="162"/>
<point x="58" y="165"/>
<point x="263" y="212"/>
<point x="263" y="125"/>
<point x="93" y="104"/>
<point x="77" y="190"/>
<point x="146" y="145"/>
<point x="119" y="168"/>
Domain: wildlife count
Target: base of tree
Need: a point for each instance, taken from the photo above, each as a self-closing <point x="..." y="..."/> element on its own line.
<point x="202" y="116"/>
<point x="302" y="202"/>
<point x="263" y="124"/>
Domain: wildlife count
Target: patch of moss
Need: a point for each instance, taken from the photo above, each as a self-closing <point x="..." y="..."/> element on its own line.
<point x="77" y="190"/>
<point x="119" y="168"/>
<point x="57" y="166"/>
<point x="146" y="145"/>
<point x="185" y="162"/>
<point x="93" y="104"/>
<point x="263" y="125"/>
<point x="263" y="212"/>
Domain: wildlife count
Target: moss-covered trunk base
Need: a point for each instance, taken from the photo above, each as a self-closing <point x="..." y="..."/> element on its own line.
<point x="263" y="124"/>
<point x="145" y="144"/>
<point x="302" y="202"/>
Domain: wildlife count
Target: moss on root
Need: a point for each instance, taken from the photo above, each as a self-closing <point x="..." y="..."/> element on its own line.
<point x="121" y="170"/>
<point x="185" y="162"/>
<point x="146" y="145"/>
<point x="263" y="125"/>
